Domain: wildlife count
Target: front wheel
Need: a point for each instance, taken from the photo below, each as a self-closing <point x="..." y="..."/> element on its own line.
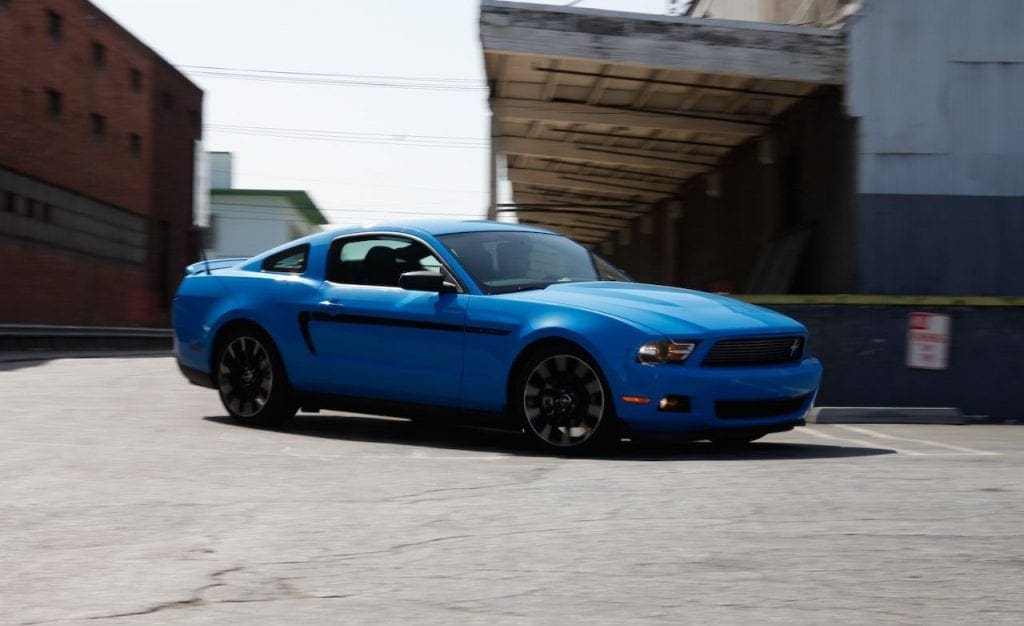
<point x="251" y="380"/>
<point x="563" y="401"/>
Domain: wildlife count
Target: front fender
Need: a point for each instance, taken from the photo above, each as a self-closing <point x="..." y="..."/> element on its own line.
<point x="490" y="358"/>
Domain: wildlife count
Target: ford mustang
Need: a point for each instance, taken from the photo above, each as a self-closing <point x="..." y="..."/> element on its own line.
<point x="488" y="323"/>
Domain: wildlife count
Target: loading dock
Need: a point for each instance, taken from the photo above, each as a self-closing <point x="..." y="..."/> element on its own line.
<point x="790" y="164"/>
<point x="676" y="146"/>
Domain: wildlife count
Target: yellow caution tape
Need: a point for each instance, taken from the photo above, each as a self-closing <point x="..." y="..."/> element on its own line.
<point x="867" y="299"/>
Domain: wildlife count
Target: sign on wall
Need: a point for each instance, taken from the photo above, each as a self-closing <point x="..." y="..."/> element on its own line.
<point x="928" y="341"/>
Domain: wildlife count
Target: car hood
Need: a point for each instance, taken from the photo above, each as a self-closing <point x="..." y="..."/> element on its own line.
<point x="667" y="310"/>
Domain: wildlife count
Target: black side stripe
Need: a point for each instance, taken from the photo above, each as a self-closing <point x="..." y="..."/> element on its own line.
<point x="318" y="316"/>
<point x="304" y="325"/>
<point x="382" y="321"/>
<point x="479" y="330"/>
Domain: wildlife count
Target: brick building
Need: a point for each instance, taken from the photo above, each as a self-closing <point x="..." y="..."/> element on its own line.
<point x="97" y="145"/>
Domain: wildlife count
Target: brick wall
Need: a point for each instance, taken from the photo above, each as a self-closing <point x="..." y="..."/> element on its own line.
<point x="87" y="109"/>
<point x="33" y="62"/>
<point x="176" y="122"/>
<point x="53" y="286"/>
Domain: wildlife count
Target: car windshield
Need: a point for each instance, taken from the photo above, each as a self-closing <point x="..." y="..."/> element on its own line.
<point x="506" y="261"/>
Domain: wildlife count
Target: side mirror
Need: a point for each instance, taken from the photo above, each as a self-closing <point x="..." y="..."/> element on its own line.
<point x="425" y="281"/>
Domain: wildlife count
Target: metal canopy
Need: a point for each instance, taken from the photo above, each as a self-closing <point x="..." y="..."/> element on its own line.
<point x="602" y="114"/>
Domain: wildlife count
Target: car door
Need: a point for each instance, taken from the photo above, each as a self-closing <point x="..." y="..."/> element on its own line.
<point x="373" y="339"/>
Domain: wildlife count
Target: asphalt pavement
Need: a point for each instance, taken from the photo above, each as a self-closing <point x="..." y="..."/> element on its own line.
<point x="127" y="496"/>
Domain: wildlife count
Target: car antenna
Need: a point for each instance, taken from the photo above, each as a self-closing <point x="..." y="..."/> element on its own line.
<point x="202" y="254"/>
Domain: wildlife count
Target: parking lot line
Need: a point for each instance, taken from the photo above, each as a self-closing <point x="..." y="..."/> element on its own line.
<point x="860" y="442"/>
<point x="937" y="444"/>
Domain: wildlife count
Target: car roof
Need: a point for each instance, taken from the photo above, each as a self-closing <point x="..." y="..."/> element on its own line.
<point x="417" y="228"/>
<point x="439" y="227"/>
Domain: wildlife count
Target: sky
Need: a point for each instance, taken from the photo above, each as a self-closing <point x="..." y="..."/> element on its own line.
<point x="365" y="149"/>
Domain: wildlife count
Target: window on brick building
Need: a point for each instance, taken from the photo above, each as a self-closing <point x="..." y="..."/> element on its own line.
<point x="54" y="104"/>
<point x="135" y="144"/>
<point x="99" y="54"/>
<point x="99" y="125"/>
<point x="135" y="78"/>
<point x="9" y="199"/>
<point x="166" y="100"/>
<point x="54" y="25"/>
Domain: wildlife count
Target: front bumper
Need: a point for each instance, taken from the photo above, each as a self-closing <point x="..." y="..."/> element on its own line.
<point x="733" y="399"/>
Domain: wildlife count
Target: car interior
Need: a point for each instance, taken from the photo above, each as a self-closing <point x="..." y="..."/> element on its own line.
<point x="382" y="265"/>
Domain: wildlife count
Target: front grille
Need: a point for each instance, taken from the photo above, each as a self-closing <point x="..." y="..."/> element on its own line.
<point x="733" y="409"/>
<point x="761" y="351"/>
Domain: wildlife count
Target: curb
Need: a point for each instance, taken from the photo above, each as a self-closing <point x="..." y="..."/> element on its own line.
<point x="35" y="342"/>
<point x="51" y="355"/>
<point x="886" y="415"/>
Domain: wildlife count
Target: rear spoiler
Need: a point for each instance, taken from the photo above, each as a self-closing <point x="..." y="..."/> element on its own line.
<point x="211" y="265"/>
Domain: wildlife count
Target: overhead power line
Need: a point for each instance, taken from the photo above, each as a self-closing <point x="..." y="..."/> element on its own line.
<point x="350" y="183"/>
<point x="426" y="83"/>
<point x="427" y="141"/>
<point x="261" y="211"/>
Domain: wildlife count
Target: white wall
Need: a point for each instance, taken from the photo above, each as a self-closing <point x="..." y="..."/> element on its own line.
<point x="777" y="11"/>
<point x="200" y="185"/>
<point x="749" y="10"/>
<point x="221" y="166"/>
<point x="243" y="226"/>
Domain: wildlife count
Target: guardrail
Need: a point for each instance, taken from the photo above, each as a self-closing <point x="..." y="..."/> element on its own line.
<point x="27" y="340"/>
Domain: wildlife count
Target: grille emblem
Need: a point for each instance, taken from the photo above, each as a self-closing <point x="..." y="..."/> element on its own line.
<point x="793" y="349"/>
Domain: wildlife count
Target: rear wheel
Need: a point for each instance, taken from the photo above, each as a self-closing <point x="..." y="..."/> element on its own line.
<point x="563" y="401"/>
<point x="251" y="380"/>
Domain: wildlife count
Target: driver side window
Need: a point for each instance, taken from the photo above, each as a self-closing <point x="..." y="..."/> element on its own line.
<point x="378" y="260"/>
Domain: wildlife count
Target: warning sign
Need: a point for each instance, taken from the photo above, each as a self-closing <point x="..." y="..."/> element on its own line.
<point x="928" y="341"/>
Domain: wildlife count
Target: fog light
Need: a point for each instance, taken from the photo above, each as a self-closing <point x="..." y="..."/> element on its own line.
<point x="674" y="404"/>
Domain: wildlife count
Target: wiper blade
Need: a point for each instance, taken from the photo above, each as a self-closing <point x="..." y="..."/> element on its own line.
<point x="523" y="287"/>
<point x="532" y="286"/>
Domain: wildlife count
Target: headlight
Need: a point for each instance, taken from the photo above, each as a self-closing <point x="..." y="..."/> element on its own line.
<point x="665" y="351"/>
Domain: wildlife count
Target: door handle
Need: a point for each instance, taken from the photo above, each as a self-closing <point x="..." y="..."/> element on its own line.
<point x="329" y="304"/>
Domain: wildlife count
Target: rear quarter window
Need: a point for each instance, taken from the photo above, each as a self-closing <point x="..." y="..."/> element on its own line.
<point x="290" y="261"/>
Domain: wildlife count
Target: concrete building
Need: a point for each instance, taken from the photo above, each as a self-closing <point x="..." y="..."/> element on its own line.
<point x="97" y="137"/>
<point x="244" y="222"/>
<point x="882" y="157"/>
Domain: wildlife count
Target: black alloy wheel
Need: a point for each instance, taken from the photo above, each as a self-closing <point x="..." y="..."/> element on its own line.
<point x="251" y="380"/>
<point x="564" y="403"/>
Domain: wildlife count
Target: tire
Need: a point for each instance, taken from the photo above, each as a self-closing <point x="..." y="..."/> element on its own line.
<point x="251" y="380"/>
<point x="563" y="402"/>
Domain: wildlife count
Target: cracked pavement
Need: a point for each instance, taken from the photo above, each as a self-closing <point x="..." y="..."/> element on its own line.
<point x="127" y="497"/>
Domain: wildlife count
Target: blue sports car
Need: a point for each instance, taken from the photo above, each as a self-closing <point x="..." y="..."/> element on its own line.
<point x="490" y="323"/>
